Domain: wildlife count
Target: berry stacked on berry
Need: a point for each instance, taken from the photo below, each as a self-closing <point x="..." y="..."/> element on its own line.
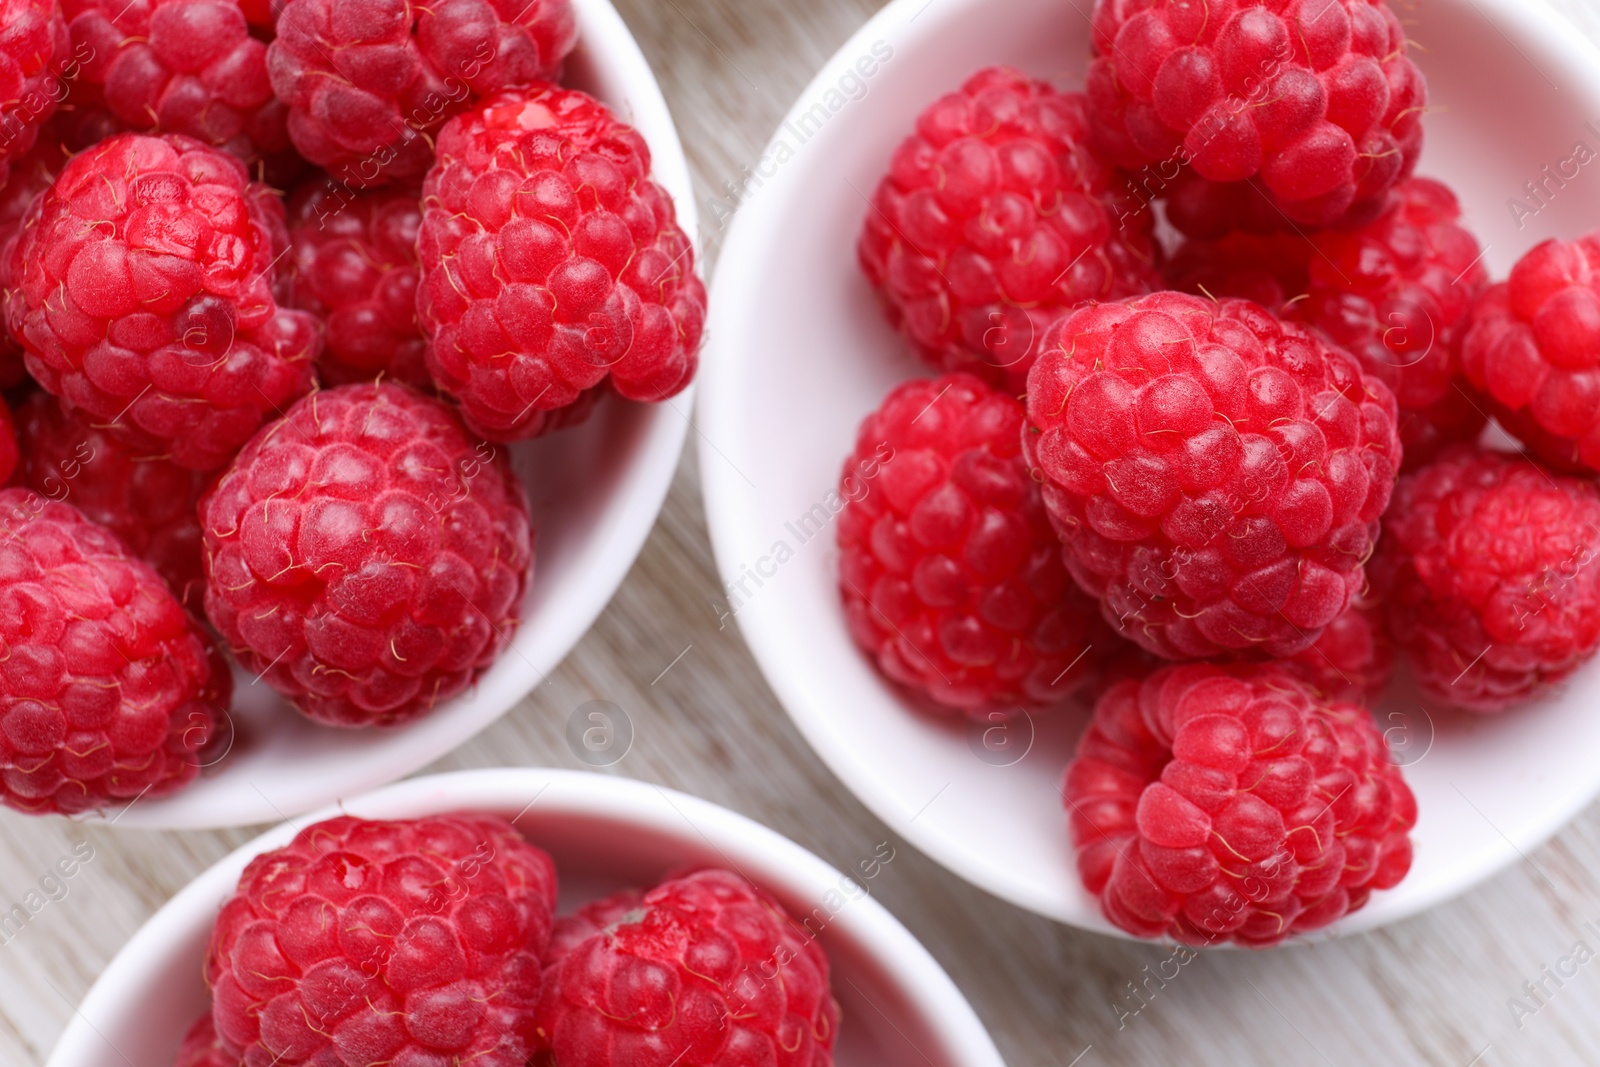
<point x="995" y="217"/>
<point x="1314" y="102"/>
<point x="159" y="321"/>
<point x="552" y="264"/>
<point x="1216" y="474"/>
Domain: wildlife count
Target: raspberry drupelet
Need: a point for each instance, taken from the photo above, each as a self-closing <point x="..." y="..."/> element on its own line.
<point x="949" y="570"/>
<point x="179" y="66"/>
<point x="1315" y="102"/>
<point x="703" y="969"/>
<point x="365" y="555"/>
<point x="147" y="502"/>
<point x="369" y="82"/>
<point x="1395" y="293"/>
<point x="552" y="263"/>
<point x="159" y="319"/>
<point x="1212" y="804"/>
<point x="1487" y="566"/>
<point x="353" y="264"/>
<point x="1216" y="475"/>
<point x="108" y="690"/>
<point x="1533" y="345"/>
<point x="405" y="942"/>
<point x="993" y="219"/>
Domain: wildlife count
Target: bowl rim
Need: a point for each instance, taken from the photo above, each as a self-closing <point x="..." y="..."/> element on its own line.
<point x="776" y="862"/>
<point x="622" y="528"/>
<point x="735" y="292"/>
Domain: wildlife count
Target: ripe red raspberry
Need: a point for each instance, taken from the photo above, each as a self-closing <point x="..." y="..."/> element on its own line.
<point x="159" y="320"/>
<point x="413" y="942"/>
<point x="1216" y="475"/>
<point x="368" y="84"/>
<point x="30" y="175"/>
<point x="1352" y="661"/>
<point x="993" y="219"/>
<point x="1486" y="565"/>
<point x="146" y="501"/>
<point x="1315" y="100"/>
<point x="950" y="573"/>
<point x="366" y="555"/>
<point x="108" y="691"/>
<point x="706" y="968"/>
<point x="551" y="263"/>
<point x="354" y="266"/>
<point x="201" y="1048"/>
<point x="1212" y="803"/>
<point x="1533" y="344"/>
<point x="1394" y="293"/>
<point x="36" y="69"/>
<point x="179" y="66"/>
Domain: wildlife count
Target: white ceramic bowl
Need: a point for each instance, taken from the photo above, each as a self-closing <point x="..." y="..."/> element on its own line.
<point x="606" y="833"/>
<point x="800" y="353"/>
<point x="596" y="491"/>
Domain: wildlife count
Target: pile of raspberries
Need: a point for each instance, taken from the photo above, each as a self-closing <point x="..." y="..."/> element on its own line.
<point x="273" y="427"/>
<point x="435" y="941"/>
<point x="1205" y="452"/>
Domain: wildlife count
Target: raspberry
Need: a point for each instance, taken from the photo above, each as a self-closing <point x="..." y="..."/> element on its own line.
<point x="413" y="942"/>
<point x="993" y="219"/>
<point x="706" y="969"/>
<point x="1486" y="566"/>
<point x="354" y="266"/>
<point x="551" y="263"/>
<point x="366" y="556"/>
<point x="30" y="176"/>
<point x="1533" y="344"/>
<point x="950" y="573"/>
<point x="36" y="65"/>
<point x="179" y="66"/>
<point x="147" y="502"/>
<point x="368" y="82"/>
<point x="1352" y="661"/>
<point x="1315" y="101"/>
<point x="1216" y="475"/>
<point x="1394" y="293"/>
<point x="1202" y="210"/>
<point x="1213" y="803"/>
<point x="108" y="692"/>
<point x="201" y="1048"/>
<point x="159" y="319"/>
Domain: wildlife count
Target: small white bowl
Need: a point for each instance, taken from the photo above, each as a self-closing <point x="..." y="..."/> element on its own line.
<point x="606" y="833"/>
<point x="800" y="353"/>
<point x="596" y="491"/>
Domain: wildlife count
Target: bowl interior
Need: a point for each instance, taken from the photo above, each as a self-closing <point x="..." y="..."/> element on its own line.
<point x="595" y="492"/>
<point x="605" y="833"/>
<point x="801" y="352"/>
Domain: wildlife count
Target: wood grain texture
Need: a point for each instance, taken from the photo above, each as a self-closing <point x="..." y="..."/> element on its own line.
<point x="1432" y="990"/>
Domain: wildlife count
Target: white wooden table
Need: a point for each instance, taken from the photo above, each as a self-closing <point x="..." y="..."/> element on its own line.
<point x="1433" y="990"/>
